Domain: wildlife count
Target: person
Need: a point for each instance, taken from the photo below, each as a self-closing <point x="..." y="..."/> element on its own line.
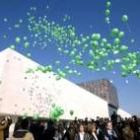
<point x="109" y="133"/>
<point x="114" y="118"/>
<point x="93" y="133"/>
<point x="6" y="130"/>
<point x="3" y="125"/>
<point x="81" y="134"/>
<point x="70" y="133"/>
<point x="57" y="135"/>
<point x="23" y="132"/>
<point x="128" y="133"/>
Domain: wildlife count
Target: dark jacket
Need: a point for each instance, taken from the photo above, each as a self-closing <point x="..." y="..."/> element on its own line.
<point x="114" y="135"/>
<point x="86" y="136"/>
<point x="92" y="137"/>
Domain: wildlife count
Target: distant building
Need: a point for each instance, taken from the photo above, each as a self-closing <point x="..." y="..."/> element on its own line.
<point x="104" y="89"/>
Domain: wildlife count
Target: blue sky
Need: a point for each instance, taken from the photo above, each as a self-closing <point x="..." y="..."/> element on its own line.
<point x="87" y="16"/>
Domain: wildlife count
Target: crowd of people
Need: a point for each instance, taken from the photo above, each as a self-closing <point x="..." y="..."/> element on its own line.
<point x="116" y="128"/>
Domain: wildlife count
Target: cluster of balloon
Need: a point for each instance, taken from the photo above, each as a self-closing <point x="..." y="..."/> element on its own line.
<point x="108" y="12"/>
<point x="97" y="49"/>
<point x="71" y="112"/>
<point x="56" y="112"/>
<point x="66" y="18"/>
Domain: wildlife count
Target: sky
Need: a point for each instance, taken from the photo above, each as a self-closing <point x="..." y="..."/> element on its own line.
<point x="87" y="16"/>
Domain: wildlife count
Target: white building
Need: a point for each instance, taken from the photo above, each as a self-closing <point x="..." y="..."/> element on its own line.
<point x="32" y="93"/>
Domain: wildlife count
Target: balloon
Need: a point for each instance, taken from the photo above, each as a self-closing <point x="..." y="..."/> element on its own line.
<point x="123" y="48"/>
<point x="4" y="36"/>
<point x="94" y="44"/>
<point x="17" y="39"/>
<point x="5" y="19"/>
<point x="16" y="26"/>
<point x="27" y="44"/>
<point x="116" y="41"/>
<point x="57" y="62"/>
<point x="71" y="112"/>
<point x="58" y="77"/>
<point x="28" y="54"/>
<point x="132" y="40"/>
<point x="121" y="34"/>
<point x="56" y="112"/>
<point x="124" y="18"/>
<point x="25" y="116"/>
<point x="104" y="40"/>
<point x="108" y="4"/>
<point x="123" y="74"/>
<point x="96" y="36"/>
<point x="107" y="12"/>
<point x="107" y="20"/>
<point x="70" y="72"/>
<point x="115" y="32"/>
<point x="20" y="21"/>
<point x="36" y="116"/>
<point x="12" y="47"/>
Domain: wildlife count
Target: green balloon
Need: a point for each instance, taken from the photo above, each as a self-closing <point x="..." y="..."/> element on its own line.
<point x="96" y="36"/>
<point x="28" y="54"/>
<point x="115" y="32"/>
<point x="108" y="46"/>
<point x="132" y="40"/>
<point x="25" y="116"/>
<point x="17" y="40"/>
<point x="5" y="36"/>
<point x="107" y="20"/>
<point x="104" y="40"/>
<point x="116" y="41"/>
<point x="108" y="4"/>
<point x="5" y="20"/>
<point x="121" y="34"/>
<point x="124" y="18"/>
<point x="94" y="44"/>
<point x="58" y="78"/>
<point x="123" y="74"/>
<point x="70" y="72"/>
<point x="107" y="12"/>
<point x="26" y="44"/>
<point x="36" y="116"/>
<point x="71" y="112"/>
<point x="123" y="48"/>
<point x="12" y="47"/>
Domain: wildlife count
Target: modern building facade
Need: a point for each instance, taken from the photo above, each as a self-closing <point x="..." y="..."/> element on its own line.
<point x="35" y="92"/>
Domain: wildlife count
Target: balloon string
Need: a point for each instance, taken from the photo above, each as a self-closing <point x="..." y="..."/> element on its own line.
<point x="127" y="25"/>
<point x="109" y="26"/>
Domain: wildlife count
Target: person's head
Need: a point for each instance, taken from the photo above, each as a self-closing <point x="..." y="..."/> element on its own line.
<point x="93" y="128"/>
<point x="134" y="118"/>
<point x="109" y="125"/>
<point x="81" y="128"/>
<point x="24" y="124"/>
<point x="114" y="112"/>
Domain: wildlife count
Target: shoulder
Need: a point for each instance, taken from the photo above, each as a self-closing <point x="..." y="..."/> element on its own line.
<point x="29" y="135"/>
